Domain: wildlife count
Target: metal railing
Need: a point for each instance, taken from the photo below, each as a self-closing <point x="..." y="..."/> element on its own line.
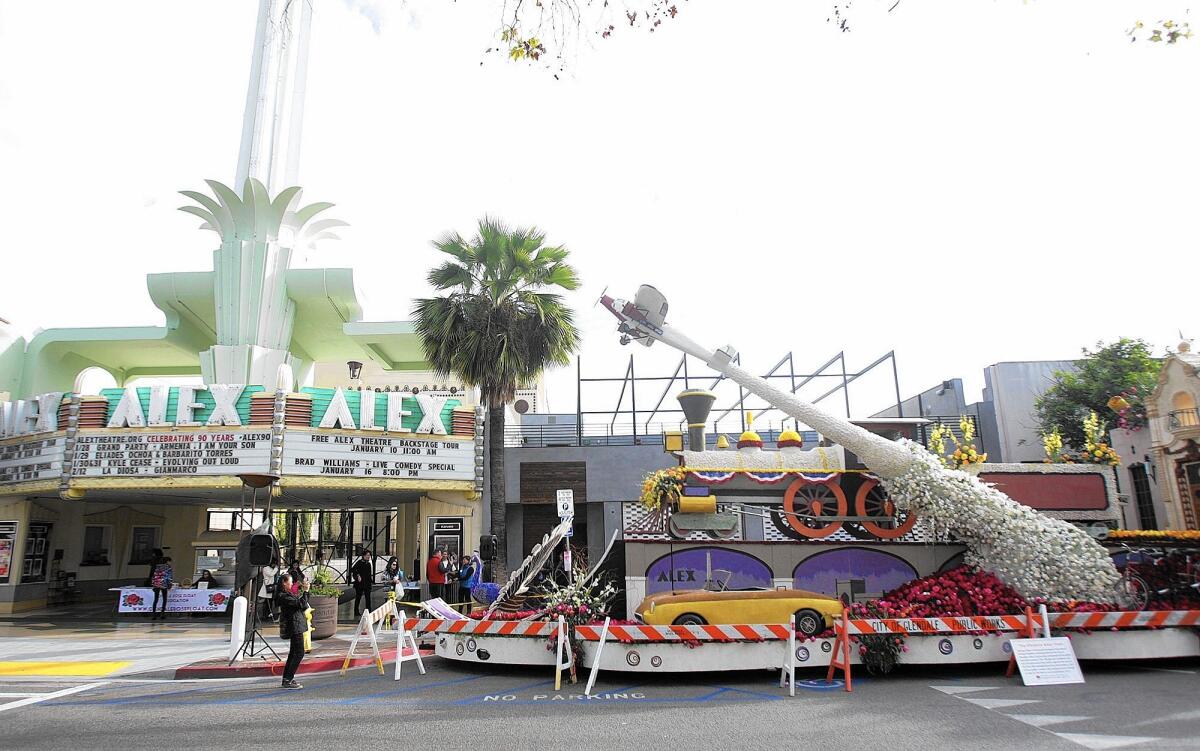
<point x="602" y="434"/>
<point x="1183" y="418"/>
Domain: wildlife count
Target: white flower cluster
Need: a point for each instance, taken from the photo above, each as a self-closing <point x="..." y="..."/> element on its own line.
<point x="1038" y="556"/>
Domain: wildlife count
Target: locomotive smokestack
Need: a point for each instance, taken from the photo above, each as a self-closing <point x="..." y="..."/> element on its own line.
<point x="696" y="403"/>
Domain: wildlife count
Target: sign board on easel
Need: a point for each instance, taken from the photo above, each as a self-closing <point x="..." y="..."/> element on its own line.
<point x="1047" y="662"/>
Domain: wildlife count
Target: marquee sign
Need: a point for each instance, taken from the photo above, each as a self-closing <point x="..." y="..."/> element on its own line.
<point x="32" y="460"/>
<point x="204" y="431"/>
<point x="335" y="455"/>
<point x="112" y="454"/>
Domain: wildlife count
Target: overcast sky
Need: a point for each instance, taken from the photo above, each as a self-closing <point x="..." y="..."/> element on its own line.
<point x="963" y="182"/>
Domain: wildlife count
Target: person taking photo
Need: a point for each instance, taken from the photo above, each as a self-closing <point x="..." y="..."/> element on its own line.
<point x="291" y="600"/>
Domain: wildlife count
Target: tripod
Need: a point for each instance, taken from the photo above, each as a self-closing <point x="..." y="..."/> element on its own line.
<point x="255" y="644"/>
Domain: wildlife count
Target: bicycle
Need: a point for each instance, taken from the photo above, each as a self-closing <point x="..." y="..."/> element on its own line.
<point x="1137" y="587"/>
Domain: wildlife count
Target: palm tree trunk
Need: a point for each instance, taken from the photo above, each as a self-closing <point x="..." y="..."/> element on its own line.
<point x="497" y="495"/>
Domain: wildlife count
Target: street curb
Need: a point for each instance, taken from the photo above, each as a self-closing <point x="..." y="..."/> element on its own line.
<point x="264" y="669"/>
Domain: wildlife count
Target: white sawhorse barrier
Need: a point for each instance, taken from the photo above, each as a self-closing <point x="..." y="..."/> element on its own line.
<point x="787" y="674"/>
<point x="366" y="628"/>
<point x="405" y="635"/>
<point x="563" y="659"/>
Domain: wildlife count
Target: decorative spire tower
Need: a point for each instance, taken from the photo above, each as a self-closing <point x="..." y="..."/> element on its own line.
<point x="271" y="127"/>
<point x="260" y="227"/>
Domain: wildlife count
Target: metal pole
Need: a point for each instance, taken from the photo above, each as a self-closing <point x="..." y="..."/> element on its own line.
<point x="845" y="383"/>
<point x="578" y="401"/>
<point x="896" y="381"/>
<point x="633" y="397"/>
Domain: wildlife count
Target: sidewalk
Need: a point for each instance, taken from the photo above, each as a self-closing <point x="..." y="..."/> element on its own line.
<point x="45" y="644"/>
<point x="327" y="655"/>
<point x="35" y="648"/>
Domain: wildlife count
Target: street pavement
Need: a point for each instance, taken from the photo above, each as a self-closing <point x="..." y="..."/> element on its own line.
<point x="1151" y="706"/>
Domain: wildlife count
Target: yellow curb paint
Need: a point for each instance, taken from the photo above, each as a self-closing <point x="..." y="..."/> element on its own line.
<point x="61" y="668"/>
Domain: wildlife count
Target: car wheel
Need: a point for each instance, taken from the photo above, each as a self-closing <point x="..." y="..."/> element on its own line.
<point x="689" y="619"/>
<point x="809" y="622"/>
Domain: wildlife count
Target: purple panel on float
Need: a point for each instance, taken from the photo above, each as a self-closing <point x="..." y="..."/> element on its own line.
<point x="881" y="571"/>
<point x="686" y="569"/>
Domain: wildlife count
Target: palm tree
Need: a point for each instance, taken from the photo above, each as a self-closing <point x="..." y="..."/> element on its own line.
<point x="498" y="327"/>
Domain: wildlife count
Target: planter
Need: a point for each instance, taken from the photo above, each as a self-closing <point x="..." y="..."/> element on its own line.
<point x="324" y="616"/>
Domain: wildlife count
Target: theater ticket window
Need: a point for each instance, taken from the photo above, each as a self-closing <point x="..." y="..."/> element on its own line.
<point x="37" y="550"/>
<point x="8" y="541"/>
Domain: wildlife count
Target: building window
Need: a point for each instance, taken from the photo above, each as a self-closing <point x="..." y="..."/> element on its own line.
<point x="368" y="533"/>
<point x="227" y="520"/>
<point x="1142" y="496"/>
<point x="97" y="541"/>
<point x="37" y="544"/>
<point x="8" y="540"/>
<point x="145" y="540"/>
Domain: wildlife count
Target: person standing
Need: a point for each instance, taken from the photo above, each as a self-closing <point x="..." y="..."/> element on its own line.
<point x="160" y="581"/>
<point x="266" y="591"/>
<point x="436" y="574"/>
<point x="468" y="578"/>
<point x="393" y="576"/>
<point x="296" y="572"/>
<point x="362" y="574"/>
<point x="291" y="599"/>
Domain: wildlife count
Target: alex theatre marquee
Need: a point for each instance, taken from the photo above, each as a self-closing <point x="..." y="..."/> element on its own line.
<point x="204" y="437"/>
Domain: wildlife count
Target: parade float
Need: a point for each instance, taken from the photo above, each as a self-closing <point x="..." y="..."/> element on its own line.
<point x="1010" y="569"/>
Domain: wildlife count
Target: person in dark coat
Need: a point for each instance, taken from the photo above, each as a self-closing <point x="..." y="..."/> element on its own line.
<point x="290" y="599"/>
<point x="362" y="575"/>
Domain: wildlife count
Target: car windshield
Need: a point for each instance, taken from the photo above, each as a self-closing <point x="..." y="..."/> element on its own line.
<point x="718" y="581"/>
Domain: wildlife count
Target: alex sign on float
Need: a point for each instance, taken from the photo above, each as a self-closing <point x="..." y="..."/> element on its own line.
<point x="201" y="430"/>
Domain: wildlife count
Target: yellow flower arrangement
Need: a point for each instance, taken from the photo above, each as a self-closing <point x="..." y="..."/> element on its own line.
<point x="1097" y="451"/>
<point x="662" y="487"/>
<point x="1052" y="442"/>
<point x="1183" y="535"/>
<point x="964" y="452"/>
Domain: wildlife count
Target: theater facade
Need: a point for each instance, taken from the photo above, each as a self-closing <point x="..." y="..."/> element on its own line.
<point x="370" y="449"/>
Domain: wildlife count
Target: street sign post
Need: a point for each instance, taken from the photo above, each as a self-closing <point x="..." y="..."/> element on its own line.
<point x="566" y="504"/>
<point x="566" y="512"/>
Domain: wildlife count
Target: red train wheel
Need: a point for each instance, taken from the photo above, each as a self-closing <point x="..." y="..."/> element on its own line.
<point x="871" y="500"/>
<point x="814" y="499"/>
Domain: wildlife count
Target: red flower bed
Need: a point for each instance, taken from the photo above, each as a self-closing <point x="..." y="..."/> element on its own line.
<point x="962" y="591"/>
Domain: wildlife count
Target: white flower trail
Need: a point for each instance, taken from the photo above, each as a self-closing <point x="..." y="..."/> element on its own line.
<point x="1038" y="556"/>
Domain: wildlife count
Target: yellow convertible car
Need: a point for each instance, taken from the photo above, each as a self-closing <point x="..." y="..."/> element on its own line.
<point x="814" y="612"/>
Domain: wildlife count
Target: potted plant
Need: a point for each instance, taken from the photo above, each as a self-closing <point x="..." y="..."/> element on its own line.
<point x="323" y="597"/>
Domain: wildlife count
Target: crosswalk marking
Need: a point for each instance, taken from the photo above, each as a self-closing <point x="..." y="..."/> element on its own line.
<point x="999" y="703"/>
<point x="956" y="690"/>
<point x="82" y="668"/>
<point x="1099" y="742"/>
<point x="1042" y="720"/>
<point x="37" y="698"/>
